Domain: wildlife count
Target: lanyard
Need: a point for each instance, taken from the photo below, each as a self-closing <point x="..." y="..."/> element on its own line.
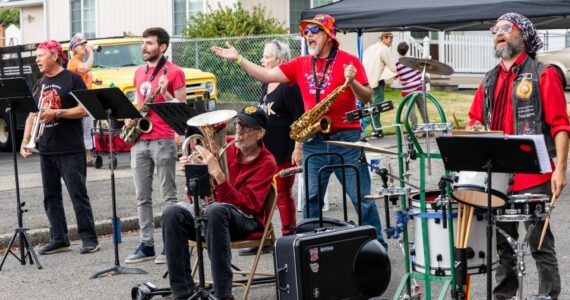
<point x="319" y="83"/>
<point x="161" y="63"/>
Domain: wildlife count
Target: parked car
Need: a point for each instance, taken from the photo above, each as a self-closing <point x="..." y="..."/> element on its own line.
<point x="560" y="59"/>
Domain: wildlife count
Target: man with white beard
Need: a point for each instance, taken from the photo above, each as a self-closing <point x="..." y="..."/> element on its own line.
<point x="318" y="74"/>
<point x="521" y="96"/>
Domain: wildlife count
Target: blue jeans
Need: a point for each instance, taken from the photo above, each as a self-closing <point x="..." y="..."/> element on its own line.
<point x="370" y="214"/>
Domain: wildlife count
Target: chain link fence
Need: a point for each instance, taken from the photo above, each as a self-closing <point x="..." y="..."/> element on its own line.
<point x="234" y="85"/>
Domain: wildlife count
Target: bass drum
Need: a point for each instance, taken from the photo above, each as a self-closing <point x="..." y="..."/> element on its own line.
<point x="440" y="263"/>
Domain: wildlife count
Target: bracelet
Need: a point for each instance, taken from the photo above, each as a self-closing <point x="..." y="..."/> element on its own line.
<point x="238" y="61"/>
<point x="25" y="141"/>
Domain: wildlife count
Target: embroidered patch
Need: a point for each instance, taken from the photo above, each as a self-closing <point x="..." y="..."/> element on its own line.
<point x="250" y="109"/>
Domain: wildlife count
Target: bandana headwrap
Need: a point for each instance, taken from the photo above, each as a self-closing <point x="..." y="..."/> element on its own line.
<point x="531" y="40"/>
<point x="54" y="47"/>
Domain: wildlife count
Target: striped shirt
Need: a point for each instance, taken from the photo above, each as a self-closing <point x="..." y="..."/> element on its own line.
<point x="410" y="79"/>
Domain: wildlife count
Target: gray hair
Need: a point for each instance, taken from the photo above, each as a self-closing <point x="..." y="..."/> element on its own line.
<point x="280" y="50"/>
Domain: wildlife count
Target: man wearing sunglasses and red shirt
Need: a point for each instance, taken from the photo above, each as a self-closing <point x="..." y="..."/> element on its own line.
<point x="317" y="74"/>
<point x="521" y="96"/>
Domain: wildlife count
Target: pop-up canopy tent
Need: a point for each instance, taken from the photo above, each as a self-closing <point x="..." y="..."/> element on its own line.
<point x="438" y="15"/>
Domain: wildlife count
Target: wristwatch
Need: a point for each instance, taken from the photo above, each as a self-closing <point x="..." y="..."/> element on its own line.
<point x="58" y="114"/>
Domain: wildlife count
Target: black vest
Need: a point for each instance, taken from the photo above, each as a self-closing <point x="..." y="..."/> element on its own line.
<point x="527" y="106"/>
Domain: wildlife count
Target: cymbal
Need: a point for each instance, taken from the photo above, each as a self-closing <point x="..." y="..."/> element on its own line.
<point x="432" y="66"/>
<point x="361" y="145"/>
<point x="474" y="132"/>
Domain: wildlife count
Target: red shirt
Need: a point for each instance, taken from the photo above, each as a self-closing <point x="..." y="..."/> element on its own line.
<point x="300" y="71"/>
<point x="176" y="79"/>
<point x="248" y="182"/>
<point x="554" y="110"/>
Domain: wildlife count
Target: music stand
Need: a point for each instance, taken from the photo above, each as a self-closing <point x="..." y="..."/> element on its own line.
<point x="15" y="97"/>
<point x="491" y="154"/>
<point x="175" y="114"/>
<point x="108" y="104"/>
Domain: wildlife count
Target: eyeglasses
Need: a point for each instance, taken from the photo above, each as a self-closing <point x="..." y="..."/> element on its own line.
<point x="244" y="127"/>
<point x="313" y="30"/>
<point x="505" y="28"/>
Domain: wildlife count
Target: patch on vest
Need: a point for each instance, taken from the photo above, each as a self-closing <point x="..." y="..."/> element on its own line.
<point x="524" y="88"/>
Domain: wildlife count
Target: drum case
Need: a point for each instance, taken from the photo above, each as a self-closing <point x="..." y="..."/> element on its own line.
<point x="318" y="265"/>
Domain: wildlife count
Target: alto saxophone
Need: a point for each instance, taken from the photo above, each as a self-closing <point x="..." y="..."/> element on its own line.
<point x="314" y="120"/>
<point x="130" y="134"/>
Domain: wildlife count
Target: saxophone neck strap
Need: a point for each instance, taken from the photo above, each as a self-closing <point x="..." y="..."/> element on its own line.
<point x="320" y="83"/>
<point x="161" y="63"/>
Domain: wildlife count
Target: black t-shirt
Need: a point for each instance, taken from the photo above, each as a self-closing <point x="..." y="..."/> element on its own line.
<point x="283" y="106"/>
<point x="64" y="135"/>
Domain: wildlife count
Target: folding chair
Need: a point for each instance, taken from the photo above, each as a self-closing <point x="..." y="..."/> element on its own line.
<point x="259" y="240"/>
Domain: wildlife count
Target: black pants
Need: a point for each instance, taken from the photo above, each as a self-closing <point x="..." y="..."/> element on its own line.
<point x="72" y="168"/>
<point x="224" y="223"/>
<point x="546" y="262"/>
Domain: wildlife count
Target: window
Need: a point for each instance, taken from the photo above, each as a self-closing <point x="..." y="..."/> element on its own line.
<point x="296" y="7"/>
<point x="183" y="10"/>
<point x="83" y="18"/>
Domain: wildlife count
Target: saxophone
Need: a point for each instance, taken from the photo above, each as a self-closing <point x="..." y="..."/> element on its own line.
<point x="314" y="120"/>
<point x="130" y="134"/>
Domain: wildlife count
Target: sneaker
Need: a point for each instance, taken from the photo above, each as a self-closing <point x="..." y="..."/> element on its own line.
<point x="161" y="258"/>
<point x="54" y="247"/>
<point x="253" y="251"/>
<point x="142" y="253"/>
<point x="89" y="248"/>
<point x="378" y="135"/>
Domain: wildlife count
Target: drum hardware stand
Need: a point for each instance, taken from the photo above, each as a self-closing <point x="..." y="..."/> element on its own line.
<point x="108" y="104"/>
<point x="414" y="150"/>
<point x="15" y="97"/>
<point x="427" y="129"/>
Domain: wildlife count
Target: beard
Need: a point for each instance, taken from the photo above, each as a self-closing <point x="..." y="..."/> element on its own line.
<point x="314" y="51"/>
<point x="512" y="48"/>
<point x="151" y="56"/>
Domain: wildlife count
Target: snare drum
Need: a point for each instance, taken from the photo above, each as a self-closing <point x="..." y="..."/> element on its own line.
<point x="440" y="264"/>
<point x="523" y="207"/>
<point x="471" y="188"/>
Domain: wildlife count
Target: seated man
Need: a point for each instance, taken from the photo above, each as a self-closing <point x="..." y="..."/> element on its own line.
<point x="236" y="213"/>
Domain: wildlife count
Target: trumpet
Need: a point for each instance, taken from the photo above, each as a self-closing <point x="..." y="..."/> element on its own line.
<point x="38" y="126"/>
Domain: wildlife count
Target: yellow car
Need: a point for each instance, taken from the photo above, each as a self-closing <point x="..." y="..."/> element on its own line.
<point x="115" y="63"/>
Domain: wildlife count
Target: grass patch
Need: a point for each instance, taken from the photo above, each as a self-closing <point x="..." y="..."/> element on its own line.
<point x="453" y="103"/>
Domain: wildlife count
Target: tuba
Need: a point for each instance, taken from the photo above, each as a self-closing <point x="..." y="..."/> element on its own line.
<point x="38" y="127"/>
<point x="314" y="120"/>
<point x="130" y="134"/>
<point x="213" y="126"/>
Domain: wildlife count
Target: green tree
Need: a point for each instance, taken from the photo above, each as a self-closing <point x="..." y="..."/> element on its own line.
<point x="9" y="16"/>
<point x="248" y="31"/>
<point x="232" y="21"/>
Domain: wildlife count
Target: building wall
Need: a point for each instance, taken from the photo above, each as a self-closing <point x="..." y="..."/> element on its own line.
<point x="32" y="24"/>
<point x="114" y="17"/>
<point x="59" y="20"/>
<point x="276" y="9"/>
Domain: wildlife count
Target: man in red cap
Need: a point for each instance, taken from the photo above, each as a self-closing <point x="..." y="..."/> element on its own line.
<point x="317" y="74"/>
<point x="521" y="96"/>
<point x="61" y="149"/>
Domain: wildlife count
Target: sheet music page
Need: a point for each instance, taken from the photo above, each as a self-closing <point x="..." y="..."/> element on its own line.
<point x="540" y="145"/>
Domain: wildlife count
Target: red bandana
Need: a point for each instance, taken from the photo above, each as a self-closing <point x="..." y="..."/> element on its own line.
<point x="54" y="47"/>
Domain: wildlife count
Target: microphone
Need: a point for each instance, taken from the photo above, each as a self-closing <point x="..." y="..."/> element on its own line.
<point x="360" y="113"/>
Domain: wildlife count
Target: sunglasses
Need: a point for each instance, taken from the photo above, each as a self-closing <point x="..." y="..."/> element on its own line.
<point x="313" y="30"/>
<point x="505" y="28"/>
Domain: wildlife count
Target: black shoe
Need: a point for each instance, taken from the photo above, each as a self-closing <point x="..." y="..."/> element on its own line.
<point x="89" y="248"/>
<point x="253" y="251"/>
<point x="377" y="135"/>
<point x="54" y="247"/>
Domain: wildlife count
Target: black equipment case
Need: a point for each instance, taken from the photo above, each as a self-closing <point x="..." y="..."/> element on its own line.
<point x="331" y="263"/>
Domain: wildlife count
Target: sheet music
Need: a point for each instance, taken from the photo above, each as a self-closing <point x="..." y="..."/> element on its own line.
<point x="540" y="146"/>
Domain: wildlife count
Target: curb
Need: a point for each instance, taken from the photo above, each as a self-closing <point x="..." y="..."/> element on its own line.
<point x="42" y="235"/>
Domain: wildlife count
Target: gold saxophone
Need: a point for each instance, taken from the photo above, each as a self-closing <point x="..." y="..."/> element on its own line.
<point x="130" y="134"/>
<point x="314" y="120"/>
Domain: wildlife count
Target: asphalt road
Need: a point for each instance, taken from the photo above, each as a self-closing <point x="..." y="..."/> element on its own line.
<point x="66" y="275"/>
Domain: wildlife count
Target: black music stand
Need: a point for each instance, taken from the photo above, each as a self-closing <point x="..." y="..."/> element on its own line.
<point x="175" y="114"/>
<point x="15" y="97"/>
<point x="491" y="154"/>
<point x="108" y="104"/>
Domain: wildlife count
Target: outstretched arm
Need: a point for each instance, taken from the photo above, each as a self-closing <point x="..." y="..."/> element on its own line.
<point x="256" y="71"/>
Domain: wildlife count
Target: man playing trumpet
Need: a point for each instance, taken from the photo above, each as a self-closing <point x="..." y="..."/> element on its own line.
<point x="237" y="212"/>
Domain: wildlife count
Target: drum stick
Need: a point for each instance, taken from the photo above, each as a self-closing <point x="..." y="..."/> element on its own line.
<point x="467" y="232"/>
<point x="546" y="222"/>
<point x="458" y="229"/>
<point x="466" y="212"/>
